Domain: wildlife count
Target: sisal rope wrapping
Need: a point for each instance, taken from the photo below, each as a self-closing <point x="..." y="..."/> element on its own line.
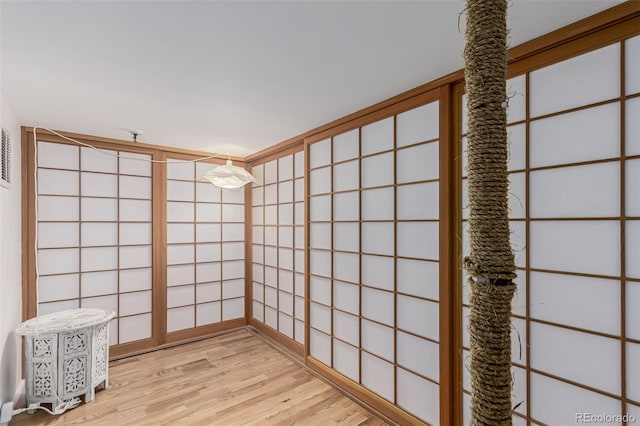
<point x="491" y="262"/>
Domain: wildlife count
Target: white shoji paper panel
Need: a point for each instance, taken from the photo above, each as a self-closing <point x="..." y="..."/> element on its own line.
<point x="285" y="214"/>
<point x="101" y="209"/>
<point x="346" y="359"/>
<point x="346" y="297"/>
<point x="320" y="153"/>
<point x="285" y="302"/>
<point x="378" y="136"/>
<point x="554" y="350"/>
<point x="181" y="274"/>
<point x="346" y="236"/>
<point x="517" y="195"/>
<point x="205" y="192"/>
<point x="419" y="396"/>
<point x="320" y="317"/>
<point x="285" y="192"/>
<point x="632" y="127"/>
<point x="271" y="194"/>
<point x="377" y="238"/>
<point x="320" y="290"/>
<point x="298" y="164"/>
<point x="51" y="235"/>
<point x="632" y="62"/>
<point x="377" y="204"/>
<point x="230" y="213"/>
<point x="346" y="327"/>
<point x="258" y="311"/>
<point x="517" y="94"/>
<point x="135" y="233"/>
<point x="136" y="187"/>
<point x="632" y="297"/>
<point x="633" y="371"/>
<point x="133" y="210"/>
<point x="208" y="272"/>
<point x="581" y="246"/>
<point x="417" y="163"/>
<point x="419" y="355"/>
<point x="208" y="313"/>
<point x="285" y="168"/>
<point x="417" y="125"/>
<point x="182" y="253"/>
<point x="419" y="201"/>
<point x="584" y="135"/>
<point x="377" y="170"/>
<point x="58" y="156"/>
<point x="207" y="233"/>
<point x="320" y="346"/>
<point x="99" y="234"/>
<point x="585" y="79"/>
<point x="99" y="259"/>
<point x="271" y="317"/>
<point x="378" y="339"/>
<point x="418" y="278"/>
<point x="57" y="182"/>
<point x="99" y="283"/>
<point x="58" y="208"/>
<point x="258" y="172"/>
<point x="208" y="252"/>
<point x="320" y="208"/>
<point x="345" y="267"/>
<point x="48" y="308"/>
<point x="378" y="271"/>
<point x="320" y="262"/>
<point x="556" y="403"/>
<point x="209" y="292"/>
<point x="271" y="172"/>
<point x="418" y="316"/>
<point x="346" y="146"/>
<point x="135" y="257"/>
<point x="206" y="212"/>
<point x="131" y="164"/>
<point x="233" y="251"/>
<point x="632" y="249"/>
<point x="138" y="302"/>
<point x="378" y="305"/>
<point x="632" y="194"/>
<point x="285" y="236"/>
<point x="298" y="190"/>
<point x="377" y="375"/>
<point x="135" y="279"/>
<point x="346" y="176"/>
<point x="232" y="309"/>
<point x="345" y="206"/>
<point x="180" y="211"/>
<point x="180" y="170"/>
<point x="548" y="294"/>
<point x="98" y="160"/>
<point x="320" y="181"/>
<point x="418" y="239"/>
<point x="180" y="191"/>
<point x="180" y="318"/>
<point x="581" y="191"/>
<point x="136" y="327"/>
<point x="109" y="302"/>
<point x="58" y="287"/>
<point x="285" y="325"/>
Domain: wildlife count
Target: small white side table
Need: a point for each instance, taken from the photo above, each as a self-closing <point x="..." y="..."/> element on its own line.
<point x="66" y="355"/>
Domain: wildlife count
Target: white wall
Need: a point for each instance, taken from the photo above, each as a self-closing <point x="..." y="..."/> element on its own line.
<point x="10" y="264"/>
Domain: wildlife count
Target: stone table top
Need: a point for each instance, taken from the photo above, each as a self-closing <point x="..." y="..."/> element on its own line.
<point x="70" y="319"/>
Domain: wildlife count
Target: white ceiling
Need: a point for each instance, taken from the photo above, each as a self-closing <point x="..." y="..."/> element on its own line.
<point x="232" y="76"/>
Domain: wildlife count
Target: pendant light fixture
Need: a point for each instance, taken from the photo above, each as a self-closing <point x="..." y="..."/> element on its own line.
<point x="229" y="176"/>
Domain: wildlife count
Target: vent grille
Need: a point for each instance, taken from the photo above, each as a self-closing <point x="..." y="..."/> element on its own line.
<point x="6" y="159"/>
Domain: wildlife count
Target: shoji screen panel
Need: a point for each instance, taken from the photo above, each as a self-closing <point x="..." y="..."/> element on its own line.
<point x="373" y="275"/>
<point x="205" y="252"/>
<point x="94" y="236"/>
<point x="574" y="173"/>
<point x="278" y="304"/>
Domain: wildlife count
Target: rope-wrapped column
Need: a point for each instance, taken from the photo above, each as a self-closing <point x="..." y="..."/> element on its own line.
<point x="490" y="263"/>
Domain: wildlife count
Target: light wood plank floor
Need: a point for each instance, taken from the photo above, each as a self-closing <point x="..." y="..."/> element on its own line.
<point x="233" y="379"/>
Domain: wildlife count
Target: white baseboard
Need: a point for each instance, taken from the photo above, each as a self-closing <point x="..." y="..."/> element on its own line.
<point x="19" y="396"/>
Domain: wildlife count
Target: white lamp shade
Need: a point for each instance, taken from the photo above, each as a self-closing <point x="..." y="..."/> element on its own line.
<point x="229" y="176"/>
